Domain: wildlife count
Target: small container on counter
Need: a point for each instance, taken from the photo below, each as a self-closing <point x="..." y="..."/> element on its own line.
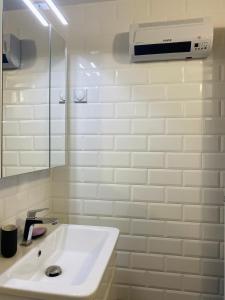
<point x="8" y="240"/>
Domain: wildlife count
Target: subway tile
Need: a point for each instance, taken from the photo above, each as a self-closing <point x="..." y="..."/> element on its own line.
<point x="123" y="224"/>
<point x="113" y="192"/>
<point x="71" y="206"/>
<point x="146" y="293"/>
<point x="183" y="161"/>
<point x="119" y="291"/>
<point x="114" y="159"/>
<point x="200" y="284"/>
<point x="148" y="160"/>
<point x="147" y="261"/>
<point x="33" y="81"/>
<point x="201" y="249"/>
<point x="184" y="91"/>
<point x="131" y="176"/>
<point x="165" y="143"/>
<point x="164" y="212"/>
<point x="11" y="128"/>
<point x="162" y="11"/>
<point x="141" y="8"/>
<point x="18" y="112"/>
<point x="98" y="175"/>
<point x="57" y="127"/>
<point x="183" y="265"/>
<point x="212" y="267"/>
<point x="213" y="232"/>
<point x="201" y="178"/>
<point x="83" y="220"/>
<point x="203" y="7"/>
<point x="130" y="143"/>
<point x="129" y="76"/>
<point x="79" y="142"/>
<point x="209" y="297"/>
<point x="201" y="144"/>
<point x="98" y="143"/>
<point x="183" y="195"/>
<point x="107" y="17"/>
<point x="164" y="280"/>
<point x="184" y="126"/>
<point x="132" y="243"/>
<point x="198" y="213"/>
<point x="148" y="193"/>
<point x="37" y="128"/>
<point x="125" y="15"/>
<point x="152" y="126"/>
<point x="183" y="230"/>
<point x="34" y="158"/>
<point x="150" y="228"/>
<point x="92" y="111"/>
<point x="166" y="110"/>
<point x="213" y="161"/>
<point x="122" y="259"/>
<point x="214" y="126"/>
<point x="163" y="74"/>
<point x="85" y="127"/>
<point x="89" y="159"/>
<point x="165" y="177"/>
<point x="83" y="191"/>
<point x="205" y="108"/>
<point x="173" y="295"/>
<point x="131" y="110"/>
<point x="157" y="92"/>
<point x="132" y="277"/>
<point x="130" y="210"/>
<point x="98" y="208"/>
<point x="115" y="127"/>
<point x="11" y="97"/>
<point x="114" y="93"/>
<point x="18" y="143"/>
<point x="213" y="196"/>
<point x="200" y="72"/>
<point x="57" y="143"/>
<point x="165" y="246"/>
<point x="41" y="112"/>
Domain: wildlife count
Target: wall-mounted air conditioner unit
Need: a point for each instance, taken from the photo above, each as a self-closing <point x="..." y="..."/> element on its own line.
<point x="171" y="40"/>
<point x="11" y="52"/>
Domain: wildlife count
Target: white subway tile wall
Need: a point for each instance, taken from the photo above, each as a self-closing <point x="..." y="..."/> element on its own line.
<point x="20" y="193"/>
<point x="147" y="151"/>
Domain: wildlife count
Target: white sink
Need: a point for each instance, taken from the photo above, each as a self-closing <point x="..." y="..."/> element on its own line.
<point x="83" y="253"/>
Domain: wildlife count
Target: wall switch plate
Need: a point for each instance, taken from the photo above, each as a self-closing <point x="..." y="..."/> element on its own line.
<point x="80" y="95"/>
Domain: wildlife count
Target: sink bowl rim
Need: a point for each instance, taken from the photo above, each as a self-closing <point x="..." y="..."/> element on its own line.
<point x="84" y="290"/>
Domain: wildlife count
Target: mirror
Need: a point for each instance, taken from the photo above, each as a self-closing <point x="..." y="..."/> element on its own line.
<point x="34" y="93"/>
<point x="25" y="91"/>
<point x="58" y="100"/>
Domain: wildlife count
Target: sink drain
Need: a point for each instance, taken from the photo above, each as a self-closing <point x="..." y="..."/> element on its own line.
<point x="53" y="271"/>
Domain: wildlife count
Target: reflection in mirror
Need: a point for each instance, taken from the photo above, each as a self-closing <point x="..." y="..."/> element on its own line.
<point x="57" y="100"/>
<point x="25" y="91"/>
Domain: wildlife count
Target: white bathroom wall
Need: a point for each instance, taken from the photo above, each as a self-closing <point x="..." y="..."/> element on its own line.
<point x="147" y="151"/>
<point x="20" y="193"/>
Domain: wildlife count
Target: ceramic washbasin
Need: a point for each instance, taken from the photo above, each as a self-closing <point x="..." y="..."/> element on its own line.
<point x="82" y="252"/>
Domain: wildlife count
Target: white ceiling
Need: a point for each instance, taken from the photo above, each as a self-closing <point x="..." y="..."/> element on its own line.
<point x="18" y="4"/>
<point x="73" y="2"/>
